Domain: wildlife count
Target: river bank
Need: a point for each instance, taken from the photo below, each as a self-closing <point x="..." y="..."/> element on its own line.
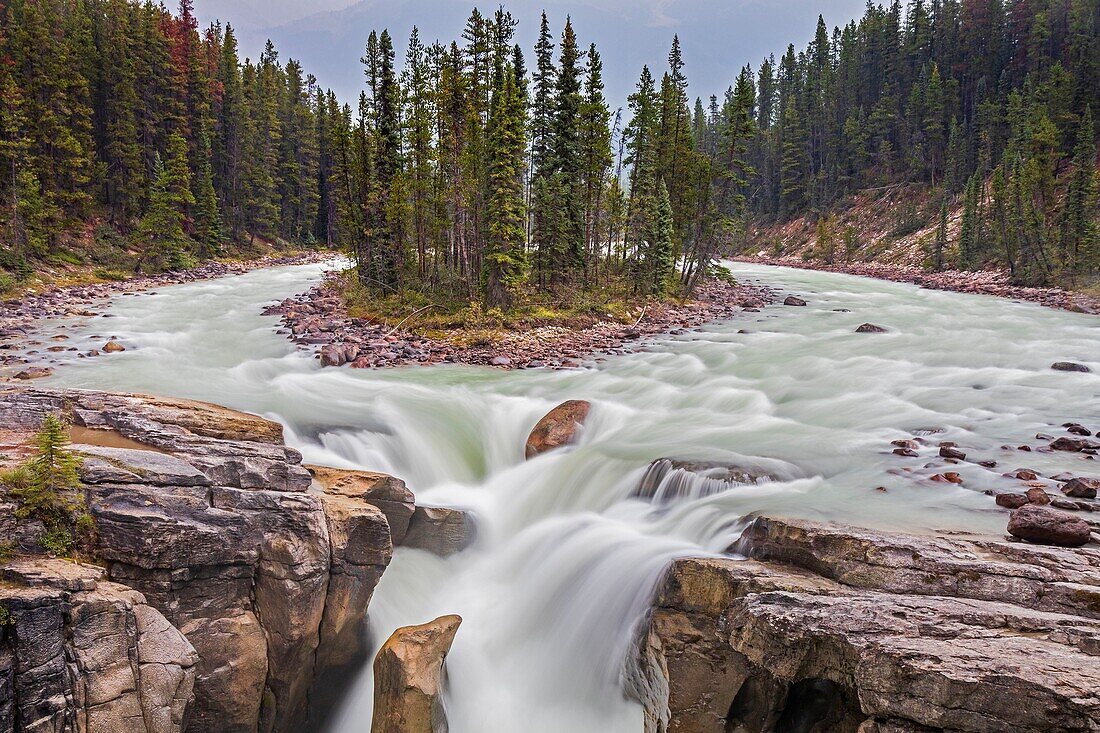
<point x="318" y="320"/>
<point x="24" y="320"/>
<point x="978" y="283"/>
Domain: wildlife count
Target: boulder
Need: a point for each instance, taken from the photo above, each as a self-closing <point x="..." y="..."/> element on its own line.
<point x="793" y="300"/>
<point x="33" y="372"/>
<point x="389" y="494"/>
<point x="870" y="328"/>
<point x="1011" y="500"/>
<point x="440" y="530"/>
<point x="831" y="628"/>
<point x="333" y="355"/>
<point x="1036" y="495"/>
<point x="1069" y="366"/>
<point x="557" y="427"/>
<point x="112" y="347"/>
<point x="1048" y="527"/>
<point x="948" y="451"/>
<point x="1081" y="488"/>
<point x="1074" y="445"/>
<point x="408" y="678"/>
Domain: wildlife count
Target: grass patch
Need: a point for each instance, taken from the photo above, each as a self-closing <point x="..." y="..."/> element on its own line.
<point x="467" y="323"/>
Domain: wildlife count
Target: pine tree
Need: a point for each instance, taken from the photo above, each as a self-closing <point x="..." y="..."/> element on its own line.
<point x="595" y="144"/>
<point x="505" y="266"/>
<point x="161" y="228"/>
<point x="1080" y="235"/>
<point x="660" y="255"/>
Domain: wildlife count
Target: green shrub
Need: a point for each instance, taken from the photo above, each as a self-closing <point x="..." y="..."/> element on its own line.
<point x="47" y="488"/>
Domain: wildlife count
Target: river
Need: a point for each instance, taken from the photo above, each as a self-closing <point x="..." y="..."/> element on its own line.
<point x="565" y="560"/>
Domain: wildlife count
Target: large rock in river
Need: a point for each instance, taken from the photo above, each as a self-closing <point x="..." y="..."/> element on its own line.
<point x="557" y="427"/>
<point x="408" y="678"/>
<point x="440" y="530"/>
<point x="1047" y="526"/>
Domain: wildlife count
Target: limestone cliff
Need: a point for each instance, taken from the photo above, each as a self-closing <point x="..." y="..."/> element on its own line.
<point x="213" y="521"/>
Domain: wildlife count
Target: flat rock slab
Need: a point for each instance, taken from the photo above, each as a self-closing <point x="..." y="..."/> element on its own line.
<point x="123" y="465"/>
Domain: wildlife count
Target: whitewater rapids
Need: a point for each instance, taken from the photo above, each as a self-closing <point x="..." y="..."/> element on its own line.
<point x="565" y="559"/>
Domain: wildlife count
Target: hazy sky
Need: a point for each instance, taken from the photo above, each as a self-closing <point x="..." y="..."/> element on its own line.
<point x="718" y="37"/>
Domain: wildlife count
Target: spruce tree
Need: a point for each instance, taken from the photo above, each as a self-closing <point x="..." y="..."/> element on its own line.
<point x="505" y="266"/>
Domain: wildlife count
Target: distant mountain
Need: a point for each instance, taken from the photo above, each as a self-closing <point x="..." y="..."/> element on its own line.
<point x="718" y="36"/>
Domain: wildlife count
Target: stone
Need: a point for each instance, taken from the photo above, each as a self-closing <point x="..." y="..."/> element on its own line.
<point x="389" y="494"/>
<point x="1025" y="474"/>
<point x="1035" y="495"/>
<point x="906" y="452"/>
<point x="947" y="451"/>
<point x="500" y="361"/>
<point x="409" y="678"/>
<point x="1074" y="445"/>
<point x="442" y="531"/>
<point x="1048" y="526"/>
<point x="793" y="300"/>
<point x="557" y="428"/>
<point x="33" y="372"/>
<point x="905" y="443"/>
<point x="870" y="328"/>
<point x="1069" y="366"/>
<point x="333" y="355"/>
<point x="112" y="347"/>
<point x="1012" y="501"/>
<point x="1081" y="488"/>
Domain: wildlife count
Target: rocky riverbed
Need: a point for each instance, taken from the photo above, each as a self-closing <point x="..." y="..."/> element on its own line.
<point x="30" y="337"/>
<point x="980" y="283"/>
<point x="318" y="320"/>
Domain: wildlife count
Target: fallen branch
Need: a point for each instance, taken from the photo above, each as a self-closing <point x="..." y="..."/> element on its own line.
<point x="394" y="330"/>
<point x="644" y="309"/>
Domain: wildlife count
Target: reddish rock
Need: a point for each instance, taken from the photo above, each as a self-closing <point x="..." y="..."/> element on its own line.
<point x="1073" y="445"/>
<point x="793" y="300"/>
<point x="947" y="451"/>
<point x="1046" y="526"/>
<point x="1012" y="501"/>
<point x="112" y="347"/>
<point x="557" y="427"/>
<point x="910" y="444"/>
<point x="1026" y="475"/>
<point x="1036" y="495"/>
<point x="907" y="452"/>
<point x="1081" y="488"/>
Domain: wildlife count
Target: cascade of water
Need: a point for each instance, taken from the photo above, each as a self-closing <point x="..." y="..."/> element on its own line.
<point x="571" y="543"/>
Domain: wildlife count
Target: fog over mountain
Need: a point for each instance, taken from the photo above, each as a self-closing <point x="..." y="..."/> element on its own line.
<point x="718" y="37"/>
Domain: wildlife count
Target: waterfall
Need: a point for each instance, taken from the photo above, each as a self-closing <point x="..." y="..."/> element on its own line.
<point x="786" y="411"/>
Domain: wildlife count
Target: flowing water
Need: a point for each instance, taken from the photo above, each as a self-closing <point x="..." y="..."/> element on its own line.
<point x="565" y="559"/>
